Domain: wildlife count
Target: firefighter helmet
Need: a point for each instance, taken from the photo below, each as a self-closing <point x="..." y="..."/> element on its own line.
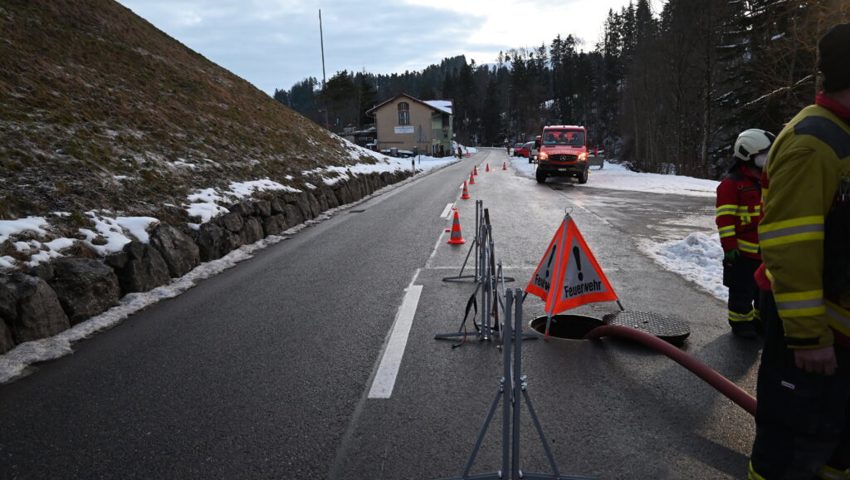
<point x="751" y="143"/>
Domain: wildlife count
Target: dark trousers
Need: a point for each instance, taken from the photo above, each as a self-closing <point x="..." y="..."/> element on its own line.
<point x="743" y="291"/>
<point x="801" y="418"/>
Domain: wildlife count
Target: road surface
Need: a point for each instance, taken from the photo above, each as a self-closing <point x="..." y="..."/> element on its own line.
<point x="288" y="366"/>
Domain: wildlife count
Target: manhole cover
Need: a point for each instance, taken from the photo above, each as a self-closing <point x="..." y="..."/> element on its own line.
<point x="571" y="327"/>
<point x="671" y="329"/>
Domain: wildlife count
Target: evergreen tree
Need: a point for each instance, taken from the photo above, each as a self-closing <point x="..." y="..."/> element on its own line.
<point x="667" y="93"/>
<point x="491" y="115"/>
<point x="282" y="96"/>
<point x="367" y="96"/>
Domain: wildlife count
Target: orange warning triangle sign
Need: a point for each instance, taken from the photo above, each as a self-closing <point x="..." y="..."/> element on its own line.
<point x="569" y="275"/>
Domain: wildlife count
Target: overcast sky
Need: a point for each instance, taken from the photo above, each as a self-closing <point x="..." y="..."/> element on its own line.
<point x="275" y="43"/>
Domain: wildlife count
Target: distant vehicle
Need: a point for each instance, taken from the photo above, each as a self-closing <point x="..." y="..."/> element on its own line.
<point x="521" y="150"/>
<point x="394" y="152"/>
<point x="524" y="150"/>
<point x="516" y="148"/>
<point x="563" y="153"/>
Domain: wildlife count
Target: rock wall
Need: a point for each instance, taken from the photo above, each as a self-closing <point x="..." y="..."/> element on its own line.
<point x="50" y="298"/>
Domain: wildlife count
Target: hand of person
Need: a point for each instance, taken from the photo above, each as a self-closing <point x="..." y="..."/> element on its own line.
<point x="731" y="256"/>
<point x="816" y="360"/>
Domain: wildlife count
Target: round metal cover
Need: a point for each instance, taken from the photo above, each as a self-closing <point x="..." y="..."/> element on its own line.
<point x="671" y="329"/>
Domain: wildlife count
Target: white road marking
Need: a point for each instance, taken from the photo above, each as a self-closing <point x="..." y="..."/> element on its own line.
<point x="447" y="211"/>
<point x="384" y="381"/>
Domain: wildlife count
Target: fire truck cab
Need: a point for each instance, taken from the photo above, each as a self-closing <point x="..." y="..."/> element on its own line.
<point x="563" y="153"/>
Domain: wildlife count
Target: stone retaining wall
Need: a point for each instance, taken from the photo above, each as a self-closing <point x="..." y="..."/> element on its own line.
<point x="52" y="297"/>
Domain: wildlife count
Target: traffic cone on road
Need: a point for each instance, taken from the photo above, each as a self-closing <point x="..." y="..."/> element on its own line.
<point x="471" y="179"/>
<point x="465" y="195"/>
<point x="504" y="165"/>
<point x="487" y="168"/>
<point x="475" y="170"/>
<point x="456" y="238"/>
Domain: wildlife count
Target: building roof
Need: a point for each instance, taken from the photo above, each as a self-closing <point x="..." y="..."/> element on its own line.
<point x="442" y="106"/>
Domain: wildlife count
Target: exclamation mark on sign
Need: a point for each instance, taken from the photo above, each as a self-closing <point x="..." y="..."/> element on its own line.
<point x="549" y="263"/>
<point x="577" y="254"/>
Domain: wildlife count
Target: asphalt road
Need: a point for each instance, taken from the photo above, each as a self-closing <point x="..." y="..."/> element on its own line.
<point x="265" y="370"/>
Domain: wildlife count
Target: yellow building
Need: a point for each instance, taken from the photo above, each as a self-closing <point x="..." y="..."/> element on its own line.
<point x="404" y="123"/>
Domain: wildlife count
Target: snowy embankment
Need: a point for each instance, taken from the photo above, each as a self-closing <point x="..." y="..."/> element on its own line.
<point x="696" y="257"/>
<point x="110" y="234"/>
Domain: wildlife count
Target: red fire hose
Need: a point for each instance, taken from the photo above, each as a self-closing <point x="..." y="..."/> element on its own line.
<point x="719" y="382"/>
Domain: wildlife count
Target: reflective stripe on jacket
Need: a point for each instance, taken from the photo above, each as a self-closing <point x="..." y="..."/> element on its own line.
<point x="739" y="211"/>
<point x="805" y="166"/>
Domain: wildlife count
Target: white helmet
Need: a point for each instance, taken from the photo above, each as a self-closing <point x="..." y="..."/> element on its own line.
<point x="751" y="143"/>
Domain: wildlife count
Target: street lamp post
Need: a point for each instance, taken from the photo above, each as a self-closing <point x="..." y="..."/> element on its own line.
<point x="324" y="80"/>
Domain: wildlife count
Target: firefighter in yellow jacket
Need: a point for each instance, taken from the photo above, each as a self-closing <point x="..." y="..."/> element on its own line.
<point x="802" y="424"/>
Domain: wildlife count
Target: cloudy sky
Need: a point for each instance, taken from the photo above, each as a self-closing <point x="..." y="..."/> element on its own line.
<point x="275" y="43"/>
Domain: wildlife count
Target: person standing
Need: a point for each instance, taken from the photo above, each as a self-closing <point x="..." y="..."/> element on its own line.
<point x="804" y="378"/>
<point x="737" y="219"/>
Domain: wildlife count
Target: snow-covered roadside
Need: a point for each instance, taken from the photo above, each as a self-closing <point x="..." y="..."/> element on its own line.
<point x="617" y="177"/>
<point x="110" y="232"/>
<point x="696" y="257"/>
<point x="15" y="362"/>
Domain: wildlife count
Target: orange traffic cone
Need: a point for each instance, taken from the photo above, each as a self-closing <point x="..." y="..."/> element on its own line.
<point x="475" y="170"/>
<point x="471" y="179"/>
<point x="487" y="168"/>
<point x="465" y="195"/>
<point x="456" y="238"/>
<point x="504" y="165"/>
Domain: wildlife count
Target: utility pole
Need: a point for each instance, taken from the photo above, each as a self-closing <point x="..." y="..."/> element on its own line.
<point x="324" y="93"/>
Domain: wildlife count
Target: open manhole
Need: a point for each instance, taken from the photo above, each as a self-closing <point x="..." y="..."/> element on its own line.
<point x="665" y="327"/>
<point x="570" y="327"/>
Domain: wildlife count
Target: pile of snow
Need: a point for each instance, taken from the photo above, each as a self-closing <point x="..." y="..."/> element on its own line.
<point x="37" y="225"/>
<point x="116" y="232"/>
<point x="698" y="258"/>
<point x="423" y="163"/>
<point x="208" y="203"/>
<point x="109" y="235"/>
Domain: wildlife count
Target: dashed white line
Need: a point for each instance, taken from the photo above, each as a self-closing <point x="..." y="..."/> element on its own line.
<point x="447" y="211"/>
<point x="384" y="381"/>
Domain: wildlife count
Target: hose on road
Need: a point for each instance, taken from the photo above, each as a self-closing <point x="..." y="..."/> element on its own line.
<point x="710" y="376"/>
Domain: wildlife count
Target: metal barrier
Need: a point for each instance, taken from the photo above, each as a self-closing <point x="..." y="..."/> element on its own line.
<point x="489" y="277"/>
<point x="512" y="393"/>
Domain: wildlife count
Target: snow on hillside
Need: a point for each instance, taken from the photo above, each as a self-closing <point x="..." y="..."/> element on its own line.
<point x="111" y="232"/>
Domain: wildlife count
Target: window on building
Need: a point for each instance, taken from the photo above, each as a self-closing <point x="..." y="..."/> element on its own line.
<point x="404" y="113"/>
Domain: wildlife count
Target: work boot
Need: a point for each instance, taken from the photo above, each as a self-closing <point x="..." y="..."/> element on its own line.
<point x="744" y="330"/>
<point x="759" y="326"/>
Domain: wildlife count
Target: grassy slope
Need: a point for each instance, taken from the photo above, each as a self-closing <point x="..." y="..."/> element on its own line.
<point x="90" y="91"/>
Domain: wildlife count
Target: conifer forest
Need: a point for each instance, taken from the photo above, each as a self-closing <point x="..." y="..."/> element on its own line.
<point x="664" y="91"/>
